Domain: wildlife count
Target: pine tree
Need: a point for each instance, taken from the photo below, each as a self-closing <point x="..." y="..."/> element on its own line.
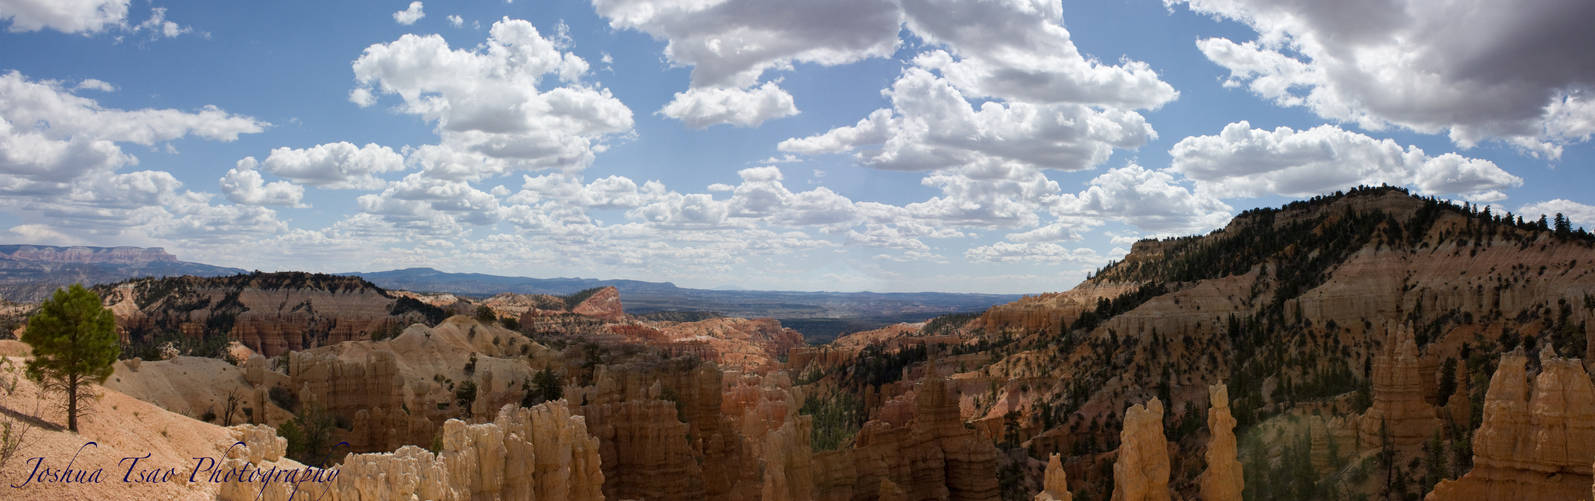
<point x="74" y="344"/>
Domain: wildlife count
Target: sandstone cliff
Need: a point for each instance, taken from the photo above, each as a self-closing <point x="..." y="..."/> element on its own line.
<point x="535" y="453"/>
<point x="1222" y="481"/>
<point x="1056" y="483"/>
<point x="927" y="451"/>
<point x="271" y="313"/>
<point x="1398" y="397"/>
<point x="1534" y="442"/>
<point x="1141" y="472"/>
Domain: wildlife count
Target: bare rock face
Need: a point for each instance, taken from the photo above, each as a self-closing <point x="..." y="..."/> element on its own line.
<point x="1222" y="481"/>
<point x="764" y="410"/>
<point x="1532" y="444"/>
<point x="1055" y="485"/>
<point x="663" y="434"/>
<point x="270" y="313"/>
<point x="1398" y="396"/>
<point x="1141" y="472"/>
<point x="604" y="304"/>
<point x="368" y="391"/>
<point x="539" y="453"/>
<point x="741" y="343"/>
<point x="927" y="450"/>
<point x="262" y="449"/>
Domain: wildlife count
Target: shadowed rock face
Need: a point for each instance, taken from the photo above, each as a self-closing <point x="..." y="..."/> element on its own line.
<point x="918" y="443"/>
<point x="1533" y="443"/>
<point x="270" y="313"/>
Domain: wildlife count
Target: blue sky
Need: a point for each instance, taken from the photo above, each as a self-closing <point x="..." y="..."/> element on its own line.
<point x="889" y="145"/>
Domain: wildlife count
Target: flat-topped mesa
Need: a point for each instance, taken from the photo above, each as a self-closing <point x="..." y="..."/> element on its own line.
<point x="79" y="254"/>
<point x="1055" y="485"/>
<point x="1141" y="472"/>
<point x="538" y="453"/>
<point x="1533" y="443"/>
<point x="1398" y="397"/>
<point x="1223" y="480"/>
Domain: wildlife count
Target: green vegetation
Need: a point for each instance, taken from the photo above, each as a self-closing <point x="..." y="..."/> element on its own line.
<point x="464" y="396"/>
<point x="945" y="324"/>
<point x="74" y="344"/>
<point x="309" y="436"/>
<point x="574" y="299"/>
<point x="875" y="366"/>
<point x="837" y="417"/>
<point x="545" y="386"/>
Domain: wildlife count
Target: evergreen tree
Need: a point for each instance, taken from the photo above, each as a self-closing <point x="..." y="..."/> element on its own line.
<point x="74" y="344"/>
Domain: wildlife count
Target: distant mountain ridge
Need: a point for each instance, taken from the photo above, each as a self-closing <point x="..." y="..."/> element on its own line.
<point x="819" y="315"/>
<point x="29" y="273"/>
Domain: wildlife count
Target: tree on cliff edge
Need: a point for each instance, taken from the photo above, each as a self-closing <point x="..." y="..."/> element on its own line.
<point x="74" y="344"/>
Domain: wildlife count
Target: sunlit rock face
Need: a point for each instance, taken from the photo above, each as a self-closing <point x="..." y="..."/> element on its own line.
<point x="1141" y="472"/>
<point x="1399" y="408"/>
<point x="538" y="453"/>
<point x="1222" y="481"/>
<point x="1055" y="485"/>
<point x="1534" y="442"/>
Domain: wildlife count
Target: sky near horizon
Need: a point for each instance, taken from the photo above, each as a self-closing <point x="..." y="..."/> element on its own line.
<point x="1004" y="146"/>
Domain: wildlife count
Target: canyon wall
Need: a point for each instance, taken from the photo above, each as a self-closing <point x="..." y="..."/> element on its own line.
<point x="1534" y="442"/>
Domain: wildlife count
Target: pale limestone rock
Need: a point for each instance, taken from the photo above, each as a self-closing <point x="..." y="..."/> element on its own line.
<point x="1222" y="481"/>
<point x="1141" y="472"/>
<point x="539" y="453"/>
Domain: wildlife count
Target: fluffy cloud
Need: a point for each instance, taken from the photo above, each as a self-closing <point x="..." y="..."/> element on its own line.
<point x="731" y="44"/>
<point x="1581" y="214"/>
<point x="94" y="84"/>
<point x="339" y="165"/>
<point x="61" y="159"/>
<point x="491" y="105"/>
<point x="85" y="17"/>
<point x="456" y="21"/>
<point x="409" y="15"/>
<point x="1047" y="252"/>
<point x="1150" y="200"/>
<point x="1476" y="69"/>
<point x="50" y="137"/>
<point x="1019" y="50"/>
<point x="244" y="185"/>
<point x="1245" y="162"/>
<point x="703" y="107"/>
<point x="932" y="126"/>
<point x="432" y="206"/>
<point x="66" y="16"/>
<point x="157" y="25"/>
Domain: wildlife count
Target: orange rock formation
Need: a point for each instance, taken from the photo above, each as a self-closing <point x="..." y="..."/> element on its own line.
<point x="1222" y="481"/>
<point x="1532" y="444"/>
<point x="1141" y="472"/>
<point x="1055" y="485"/>
<point x="534" y="453"/>
<point x="1398" y="402"/>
